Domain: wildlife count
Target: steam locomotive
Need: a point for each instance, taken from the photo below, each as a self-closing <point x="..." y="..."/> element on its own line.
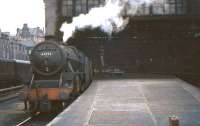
<point x="59" y="73"/>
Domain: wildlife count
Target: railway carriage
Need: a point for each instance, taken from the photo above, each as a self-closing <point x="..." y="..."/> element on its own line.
<point x="14" y="72"/>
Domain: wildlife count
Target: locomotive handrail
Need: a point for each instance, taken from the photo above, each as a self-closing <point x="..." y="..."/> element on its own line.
<point x="33" y="76"/>
<point x="10" y="89"/>
<point x="60" y="80"/>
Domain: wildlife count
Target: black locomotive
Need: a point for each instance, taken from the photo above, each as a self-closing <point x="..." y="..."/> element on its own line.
<point x="14" y="72"/>
<point x="59" y="72"/>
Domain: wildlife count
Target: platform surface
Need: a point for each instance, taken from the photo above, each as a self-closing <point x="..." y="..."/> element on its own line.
<point x="136" y="101"/>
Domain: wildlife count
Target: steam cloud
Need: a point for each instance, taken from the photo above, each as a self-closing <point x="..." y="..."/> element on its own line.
<point x="112" y="17"/>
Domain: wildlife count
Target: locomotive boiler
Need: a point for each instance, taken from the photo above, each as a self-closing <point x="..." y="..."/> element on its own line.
<point x="59" y="73"/>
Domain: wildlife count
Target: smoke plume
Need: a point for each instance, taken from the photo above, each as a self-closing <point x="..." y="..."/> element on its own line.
<point x="111" y="17"/>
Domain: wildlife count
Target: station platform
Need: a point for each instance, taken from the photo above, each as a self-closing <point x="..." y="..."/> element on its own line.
<point x="135" y="101"/>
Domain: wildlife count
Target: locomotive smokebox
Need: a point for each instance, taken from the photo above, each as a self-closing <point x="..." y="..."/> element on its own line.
<point x="47" y="58"/>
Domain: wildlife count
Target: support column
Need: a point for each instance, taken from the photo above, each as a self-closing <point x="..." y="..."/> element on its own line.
<point x="51" y="17"/>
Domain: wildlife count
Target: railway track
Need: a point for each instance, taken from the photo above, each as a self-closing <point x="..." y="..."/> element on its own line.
<point x="11" y="89"/>
<point x="40" y="119"/>
<point x="24" y="121"/>
<point x="9" y="93"/>
<point x="29" y="120"/>
<point x="10" y="96"/>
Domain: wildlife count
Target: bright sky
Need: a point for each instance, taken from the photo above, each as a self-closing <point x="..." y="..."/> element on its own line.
<point x="14" y="13"/>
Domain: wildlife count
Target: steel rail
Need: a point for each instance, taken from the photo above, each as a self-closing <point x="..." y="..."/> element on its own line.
<point x="27" y="120"/>
<point x="5" y="90"/>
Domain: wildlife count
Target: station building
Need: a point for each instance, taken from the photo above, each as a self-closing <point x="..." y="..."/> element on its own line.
<point x="161" y="38"/>
<point x="11" y="49"/>
<point x="34" y="34"/>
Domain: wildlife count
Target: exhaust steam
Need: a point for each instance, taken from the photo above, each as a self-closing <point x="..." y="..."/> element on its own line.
<point x="111" y="17"/>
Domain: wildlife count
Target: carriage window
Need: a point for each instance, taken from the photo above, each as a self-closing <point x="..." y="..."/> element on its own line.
<point x="76" y="7"/>
<point x="2" y="67"/>
<point x="81" y="6"/>
<point x="8" y="67"/>
<point x="164" y="7"/>
<point x="102" y="2"/>
<point x="93" y="3"/>
<point x="67" y="8"/>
